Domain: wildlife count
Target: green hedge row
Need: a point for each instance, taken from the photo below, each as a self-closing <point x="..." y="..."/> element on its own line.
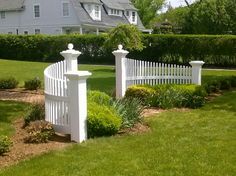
<point x="219" y="50"/>
<point x="48" y="48"/>
<point x="214" y="50"/>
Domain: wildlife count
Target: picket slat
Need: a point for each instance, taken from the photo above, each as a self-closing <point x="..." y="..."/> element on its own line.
<point x="153" y="73"/>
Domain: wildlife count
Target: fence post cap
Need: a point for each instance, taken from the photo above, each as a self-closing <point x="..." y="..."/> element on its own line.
<point x="120" y="50"/>
<point x="78" y="75"/>
<point x="195" y="63"/>
<point x="70" y="50"/>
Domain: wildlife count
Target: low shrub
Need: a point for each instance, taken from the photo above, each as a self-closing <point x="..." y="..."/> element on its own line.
<point x="33" y="84"/>
<point x="35" y="112"/>
<point x="130" y="110"/>
<point x="39" y="131"/>
<point x="99" y="97"/>
<point x="142" y="92"/>
<point x="169" y="96"/>
<point x="5" y="144"/>
<point x="102" y="120"/>
<point x="8" y="83"/>
<point x="219" y="83"/>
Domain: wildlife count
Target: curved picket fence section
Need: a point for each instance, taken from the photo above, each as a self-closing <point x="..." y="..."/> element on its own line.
<point x="56" y="97"/>
<point x="152" y="73"/>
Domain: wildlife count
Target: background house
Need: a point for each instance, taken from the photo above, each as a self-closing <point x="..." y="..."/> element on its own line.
<point x="65" y="16"/>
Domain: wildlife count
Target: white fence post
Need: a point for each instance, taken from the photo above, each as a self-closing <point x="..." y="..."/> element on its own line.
<point x="77" y="95"/>
<point x="196" y="71"/>
<point x="120" y="57"/>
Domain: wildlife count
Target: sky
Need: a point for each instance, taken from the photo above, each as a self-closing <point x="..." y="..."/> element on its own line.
<point x="177" y="3"/>
<point x="174" y="3"/>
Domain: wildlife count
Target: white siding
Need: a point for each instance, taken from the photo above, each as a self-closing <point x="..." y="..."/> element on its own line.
<point x="51" y="20"/>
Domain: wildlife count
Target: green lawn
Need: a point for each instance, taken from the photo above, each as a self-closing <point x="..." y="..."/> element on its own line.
<point x="9" y="111"/>
<point x="195" y="142"/>
<point x="103" y="77"/>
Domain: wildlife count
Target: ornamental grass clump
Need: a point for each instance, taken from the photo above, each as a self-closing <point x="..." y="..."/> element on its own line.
<point x="130" y="110"/>
<point x="35" y="112"/>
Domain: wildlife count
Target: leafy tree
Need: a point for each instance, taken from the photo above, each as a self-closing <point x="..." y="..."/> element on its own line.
<point x="211" y="17"/>
<point x="175" y="16"/>
<point x="147" y="9"/>
<point x="127" y="35"/>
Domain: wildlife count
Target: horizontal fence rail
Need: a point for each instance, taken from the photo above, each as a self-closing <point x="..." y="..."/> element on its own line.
<point x="56" y="97"/>
<point x="152" y="73"/>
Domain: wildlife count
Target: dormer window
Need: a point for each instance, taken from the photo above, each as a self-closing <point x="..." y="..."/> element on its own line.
<point x="131" y="16"/>
<point x="94" y="10"/>
<point x="115" y="12"/>
<point x="97" y="11"/>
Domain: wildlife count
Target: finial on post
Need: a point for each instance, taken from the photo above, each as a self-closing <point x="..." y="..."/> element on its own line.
<point x="120" y="47"/>
<point x="70" y="46"/>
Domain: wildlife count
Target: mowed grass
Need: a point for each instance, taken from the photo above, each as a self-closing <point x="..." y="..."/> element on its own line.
<point x="103" y="77"/>
<point x="193" y="142"/>
<point x="10" y="111"/>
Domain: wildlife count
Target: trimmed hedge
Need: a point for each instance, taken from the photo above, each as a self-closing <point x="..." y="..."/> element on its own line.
<point x="218" y="50"/>
<point x="47" y="48"/>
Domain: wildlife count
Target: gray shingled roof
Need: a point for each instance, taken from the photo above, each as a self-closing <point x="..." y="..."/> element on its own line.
<point x="91" y="1"/>
<point x="11" y="5"/>
<point x="107" y="21"/>
<point x="113" y="4"/>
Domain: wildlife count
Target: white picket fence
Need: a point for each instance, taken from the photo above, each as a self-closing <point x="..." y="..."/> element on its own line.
<point x="56" y="97"/>
<point x="152" y="73"/>
<point x="66" y="96"/>
<point x="133" y="72"/>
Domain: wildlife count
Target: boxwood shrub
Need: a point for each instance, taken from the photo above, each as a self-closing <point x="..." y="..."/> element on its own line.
<point x="102" y="120"/>
<point x="5" y="144"/>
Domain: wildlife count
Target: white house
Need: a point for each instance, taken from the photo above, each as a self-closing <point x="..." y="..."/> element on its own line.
<point x="65" y="16"/>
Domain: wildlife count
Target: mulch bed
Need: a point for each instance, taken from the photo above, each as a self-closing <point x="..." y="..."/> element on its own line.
<point x="21" y="151"/>
<point x="22" y="95"/>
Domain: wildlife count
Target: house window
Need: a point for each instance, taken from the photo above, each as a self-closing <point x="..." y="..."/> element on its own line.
<point x="65" y="9"/>
<point x="133" y="17"/>
<point x="115" y="12"/>
<point x="127" y="13"/>
<point x="37" y="31"/>
<point x="97" y="10"/>
<point x="3" y="15"/>
<point x="26" y="32"/>
<point x="36" y="11"/>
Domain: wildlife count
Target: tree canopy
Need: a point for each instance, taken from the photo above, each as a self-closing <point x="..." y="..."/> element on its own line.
<point x="203" y="17"/>
<point x="147" y="9"/>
